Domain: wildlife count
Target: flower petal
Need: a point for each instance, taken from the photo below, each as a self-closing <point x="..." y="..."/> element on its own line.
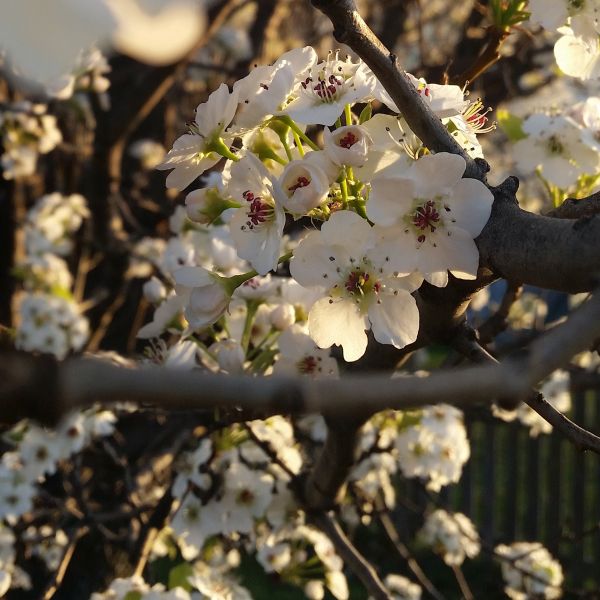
<point x="338" y="322"/>
<point x="395" y="319"/>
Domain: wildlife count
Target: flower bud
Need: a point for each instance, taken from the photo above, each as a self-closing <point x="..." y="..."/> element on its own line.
<point x="154" y="291"/>
<point x="207" y="295"/>
<point x="283" y="316"/>
<point x="347" y="145"/>
<point x="304" y="186"/>
<point x="229" y="355"/>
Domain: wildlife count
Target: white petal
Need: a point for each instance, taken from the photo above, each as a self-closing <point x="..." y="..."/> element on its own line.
<point x="319" y="114"/>
<point x="434" y="173"/>
<point x="470" y="205"/>
<point x="349" y="230"/>
<point x="576" y="57"/>
<point x="338" y="322"/>
<point x="217" y="112"/>
<point x="312" y="260"/>
<point x="260" y="246"/>
<point x="559" y="171"/>
<point x="184" y="174"/>
<point x="395" y="319"/>
<point x="193" y="276"/>
<point x="389" y="200"/>
<point x="158" y="37"/>
<point x="437" y="278"/>
<point x="461" y="253"/>
<point x="394" y="251"/>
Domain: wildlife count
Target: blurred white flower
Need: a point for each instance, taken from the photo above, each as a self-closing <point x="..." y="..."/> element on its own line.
<point x="452" y="536"/>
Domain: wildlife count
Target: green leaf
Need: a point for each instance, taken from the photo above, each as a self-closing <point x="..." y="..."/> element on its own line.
<point x="511" y="125"/>
<point x="178" y="576"/>
<point x="365" y="114"/>
<point x="133" y="596"/>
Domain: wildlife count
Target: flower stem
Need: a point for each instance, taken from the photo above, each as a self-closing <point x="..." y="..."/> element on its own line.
<point x="294" y="127"/>
<point x="287" y="148"/>
<point x="348" y="114"/>
<point x="251" y="308"/>
<point x="298" y="143"/>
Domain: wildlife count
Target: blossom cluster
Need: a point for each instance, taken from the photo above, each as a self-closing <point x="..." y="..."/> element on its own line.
<point x="529" y="571"/>
<point x="452" y="536"/>
<point x="50" y="320"/>
<point x="393" y="215"/>
<point x="561" y="147"/>
<point x="26" y="131"/>
<point x="577" y="51"/>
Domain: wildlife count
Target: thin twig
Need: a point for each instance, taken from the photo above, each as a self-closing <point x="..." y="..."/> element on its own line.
<point x="107" y="318"/>
<point x="64" y="564"/>
<point x="498" y="322"/>
<point x="383" y="514"/>
<point x="580" y="437"/>
<point x="350" y="555"/>
<point x="462" y="583"/>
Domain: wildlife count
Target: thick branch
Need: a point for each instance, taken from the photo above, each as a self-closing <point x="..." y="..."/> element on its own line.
<point x="558" y="254"/>
<point x="81" y="382"/>
<point x="574" y="208"/>
<point x="336" y="459"/>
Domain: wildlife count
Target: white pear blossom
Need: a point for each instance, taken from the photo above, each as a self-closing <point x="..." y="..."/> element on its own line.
<point x="257" y="226"/>
<point x="444" y="100"/>
<point x="453" y="536"/>
<point x="274" y="557"/>
<point x="50" y="324"/>
<point x="437" y="215"/>
<point x="166" y="314"/>
<point x="52" y="221"/>
<point x="578" y="56"/>
<point x="154" y="290"/>
<point x="195" y="152"/>
<point x="361" y="292"/>
<point x="229" y="356"/>
<point x="299" y="355"/>
<point x="436" y="448"/>
<point x="554" y="145"/>
<point x="206" y="294"/>
<point x="402" y="588"/>
<point x="530" y="571"/>
<point x="149" y="152"/>
<point x="328" y="87"/>
<point x="265" y="90"/>
<point x="46" y="272"/>
<point x="304" y="186"/>
<point x="214" y="586"/>
<point x="158" y="34"/>
<point x="347" y="145"/>
<point x="247" y="496"/>
<point x="582" y="15"/>
<point x="282" y="316"/>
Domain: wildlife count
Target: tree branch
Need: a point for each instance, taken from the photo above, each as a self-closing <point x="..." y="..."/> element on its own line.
<point x="384" y="516"/>
<point x="557" y="254"/>
<point x="350" y="555"/>
<point x="44" y="389"/>
<point x="577" y="208"/>
<point x="581" y="438"/>
<point x="337" y="457"/>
